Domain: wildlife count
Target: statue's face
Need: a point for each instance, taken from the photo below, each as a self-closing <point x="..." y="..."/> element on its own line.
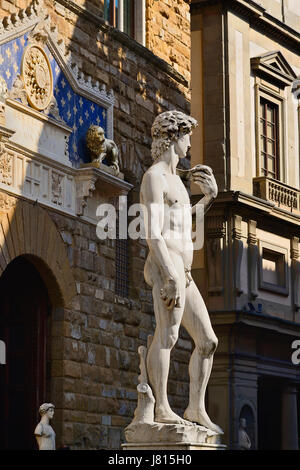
<point x="243" y="423"/>
<point x="50" y="413"/>
<point x="182" y="145"/>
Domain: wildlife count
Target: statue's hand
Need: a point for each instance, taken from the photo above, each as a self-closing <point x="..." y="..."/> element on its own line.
<point x="170" y="294"/>
<point x="204" y="178"/>
<point x="188" y="276"/>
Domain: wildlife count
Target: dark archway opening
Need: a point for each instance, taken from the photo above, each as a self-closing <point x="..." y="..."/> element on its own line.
<point x="24" y="325"/>
<point x="269" y="413"/>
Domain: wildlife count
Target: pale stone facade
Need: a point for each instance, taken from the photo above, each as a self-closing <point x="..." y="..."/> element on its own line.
<point x="245" y="58"/>
<point x="48" y="202"/>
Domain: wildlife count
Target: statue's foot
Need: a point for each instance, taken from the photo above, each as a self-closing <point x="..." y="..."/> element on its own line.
<point x="169" y="417"/>
<point x="202" y="418"/>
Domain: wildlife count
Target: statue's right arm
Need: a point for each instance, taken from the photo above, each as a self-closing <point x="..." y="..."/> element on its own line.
<point x="152" y="199"/>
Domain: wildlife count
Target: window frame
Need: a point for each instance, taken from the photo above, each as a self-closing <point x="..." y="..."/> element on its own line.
<point x="138" y="19"/>
<point x="264" y="139"/>
<point x="275" y="96"/>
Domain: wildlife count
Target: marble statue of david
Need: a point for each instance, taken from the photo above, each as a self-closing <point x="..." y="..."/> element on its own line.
<point x="176" y="297"/>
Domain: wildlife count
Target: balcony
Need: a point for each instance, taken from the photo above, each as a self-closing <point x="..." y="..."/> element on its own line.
<point x="281" y="194"/>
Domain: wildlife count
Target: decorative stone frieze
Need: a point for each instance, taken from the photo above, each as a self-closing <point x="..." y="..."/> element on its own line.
<point x="6" y="202"/>
<point x="57" y="189"/>
<point x="5" y="166"/>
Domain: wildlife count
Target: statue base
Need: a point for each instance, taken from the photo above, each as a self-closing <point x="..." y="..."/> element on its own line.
<point x="160" y="436"/>
<point x="173" y="446"/>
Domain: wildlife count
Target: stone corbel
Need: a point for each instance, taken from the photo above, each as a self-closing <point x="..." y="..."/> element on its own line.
<point x="90" y="179"/>
<point x="237" y="252"/>
<point x="252" y="259"/>
<point x="215" y="233"/>
<point x="295" y="271"/>
<point x="85" y="186"/>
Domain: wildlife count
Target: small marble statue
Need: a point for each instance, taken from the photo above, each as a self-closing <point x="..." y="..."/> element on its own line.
<point x="44" y="433"/>
<point x="102" y="148"/>
<point x="176" y="297"/>
<point x="244" y="439"/>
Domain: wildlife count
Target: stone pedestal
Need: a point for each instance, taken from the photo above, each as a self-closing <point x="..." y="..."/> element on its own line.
<point x="173" y="446"/>
<point x="159" y="436"/>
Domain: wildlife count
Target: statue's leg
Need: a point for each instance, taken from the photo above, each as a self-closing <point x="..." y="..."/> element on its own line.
<point x="165" y="337"/>
<point x="197" y="322"/>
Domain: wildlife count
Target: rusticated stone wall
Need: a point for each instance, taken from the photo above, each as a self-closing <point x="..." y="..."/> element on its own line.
<point x="168" y="32"/>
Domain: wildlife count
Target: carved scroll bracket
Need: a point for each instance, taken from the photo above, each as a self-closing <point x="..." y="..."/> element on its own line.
<point x="91" y="179"/>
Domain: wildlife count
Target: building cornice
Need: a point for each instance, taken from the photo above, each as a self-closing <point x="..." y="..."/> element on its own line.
<point x="257" y="320"/>
<point x="256" y="208"/>
<point x="258" y="17"/>
<point x="124" y="39"/>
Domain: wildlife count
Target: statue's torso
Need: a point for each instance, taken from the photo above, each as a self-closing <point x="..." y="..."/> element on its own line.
<point x="46" y="440"/>
<point x="177" y="224"/>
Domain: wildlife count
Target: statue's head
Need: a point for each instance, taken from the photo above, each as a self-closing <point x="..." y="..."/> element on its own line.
<point x="47" y="408"/>
<point x="243" y="423"/>
<point x="95" y="137"/>
<point x="167" y="128"/>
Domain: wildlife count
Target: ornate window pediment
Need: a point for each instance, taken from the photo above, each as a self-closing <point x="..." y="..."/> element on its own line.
<point x="274" y="67"/>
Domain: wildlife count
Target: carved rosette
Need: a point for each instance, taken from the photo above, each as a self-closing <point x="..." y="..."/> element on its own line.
<point x="37" y="77"/>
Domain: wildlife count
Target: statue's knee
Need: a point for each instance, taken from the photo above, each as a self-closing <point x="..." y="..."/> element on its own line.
<point x="170" y="339"/>
<point x="209" y="346"/>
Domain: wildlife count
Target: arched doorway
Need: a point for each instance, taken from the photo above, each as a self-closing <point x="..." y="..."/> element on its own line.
<point x="24" y="315"/>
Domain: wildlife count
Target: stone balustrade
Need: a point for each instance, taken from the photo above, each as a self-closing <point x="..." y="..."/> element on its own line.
<point x="284" y="196"/>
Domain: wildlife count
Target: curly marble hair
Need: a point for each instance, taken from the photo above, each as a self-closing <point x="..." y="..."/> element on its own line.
<point x="45" y="407"/>
<point x="167" y="127"/>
